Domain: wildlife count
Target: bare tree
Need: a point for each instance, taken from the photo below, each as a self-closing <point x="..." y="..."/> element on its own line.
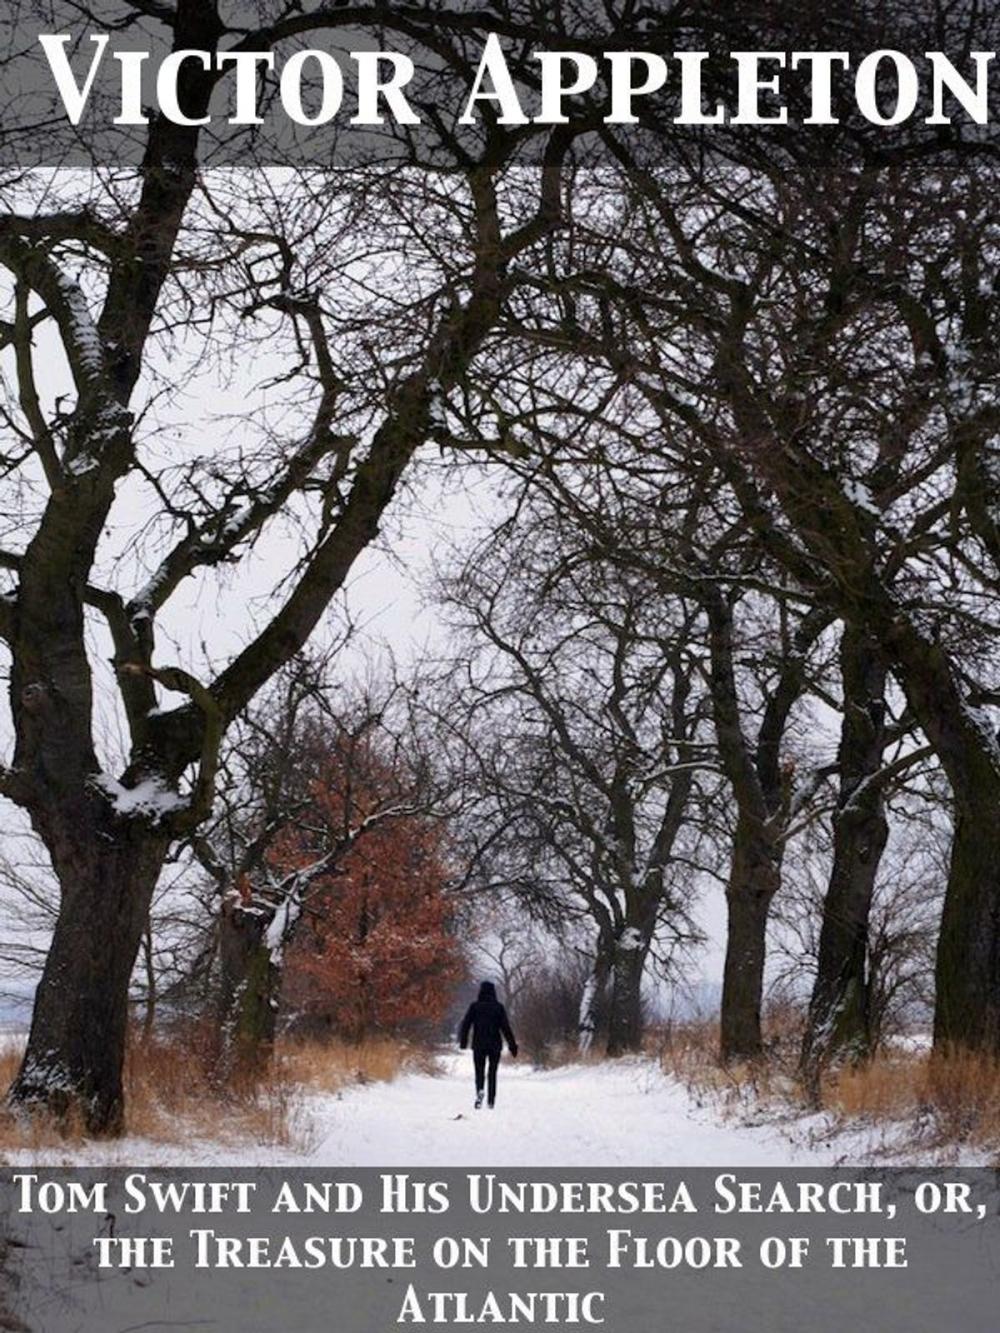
<point x="855" y="498"/>
<point x="760" y="647"/>
<point x="507" y="948"/>
<point x="132" y="283"/>
<point x="581" y="708"/>
<point x="895" y="973"/>
<point x="819" y="326"/>
<point x="762" y="781"/>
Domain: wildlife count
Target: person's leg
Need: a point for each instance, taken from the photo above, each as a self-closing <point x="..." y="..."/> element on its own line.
<point x="494" y="1061"/>
<point x="479" y="1061"/>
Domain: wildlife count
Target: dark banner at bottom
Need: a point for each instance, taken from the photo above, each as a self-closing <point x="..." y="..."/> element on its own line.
<point x="632" y="1251"/>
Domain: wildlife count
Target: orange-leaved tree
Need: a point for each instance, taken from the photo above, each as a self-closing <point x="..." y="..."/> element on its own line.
<point x="375" y="950"/>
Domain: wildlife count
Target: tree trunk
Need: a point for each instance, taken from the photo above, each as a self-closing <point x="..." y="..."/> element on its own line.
<point x="754" y="879"/>
<point x="839" y="1010"/>
<point x="967" y="976"/>
<point x="967" y="1012"/>
<point x="967" y="1009"/>
<point x="75" y="1056"/>
<point x="594" y="1001"/>
<point x="625" y="1008"/>
<point x="761" y="790"/>
<point x="250" y="980"/>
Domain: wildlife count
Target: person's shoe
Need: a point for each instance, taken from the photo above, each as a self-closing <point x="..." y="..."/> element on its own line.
<point x="479" y="1100"/>
<point x="491" y="1106"/>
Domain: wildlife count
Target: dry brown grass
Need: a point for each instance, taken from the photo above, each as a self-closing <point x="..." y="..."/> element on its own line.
<point x="916" y="1100"/>
<point x="10" y="1057"/>
<point x="172" y="1093"/>
<point x="173" y="1096"/>
<point x="330" y="1066"/>
<point x="942" y="1097"/>
<point x="887" y="1088"/>
<point x="686" y="1046"/>
<point x="557" y="1054"/>
<point x="689" y="1052"/>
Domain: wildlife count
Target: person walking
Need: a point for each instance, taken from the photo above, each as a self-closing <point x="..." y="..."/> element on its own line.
<point x="487" y="1021"/>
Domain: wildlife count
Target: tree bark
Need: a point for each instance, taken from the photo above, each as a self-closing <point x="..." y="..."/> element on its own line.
<point x="250" y="981"/>
<point x="593" y="1004"/>
<point x="754" y="878"/>
<point x="761" y="790"/>
<point x="625" y="1006"/>
<point x="967" y="975"/>
<point x="75" y="1055"/>
<point x="839" y="1021"/>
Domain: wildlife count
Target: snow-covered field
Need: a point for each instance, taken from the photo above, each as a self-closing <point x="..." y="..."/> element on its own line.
<point x="626" y="1113"/>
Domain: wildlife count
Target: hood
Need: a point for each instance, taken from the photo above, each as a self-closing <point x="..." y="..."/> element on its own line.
<point x="487" y="991"/>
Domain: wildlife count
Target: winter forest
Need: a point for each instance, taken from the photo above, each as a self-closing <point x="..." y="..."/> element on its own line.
<point x="678" y="447"/>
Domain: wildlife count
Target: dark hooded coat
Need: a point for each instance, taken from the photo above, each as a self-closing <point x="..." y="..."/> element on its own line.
<point x="486" y="1019"/>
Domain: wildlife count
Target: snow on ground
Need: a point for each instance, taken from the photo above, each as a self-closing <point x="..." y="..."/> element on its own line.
<point x="626" y="1113"/>
<point x="621" y="1114"/>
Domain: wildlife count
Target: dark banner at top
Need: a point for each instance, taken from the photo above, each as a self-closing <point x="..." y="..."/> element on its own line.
<point x="262" y="83"/>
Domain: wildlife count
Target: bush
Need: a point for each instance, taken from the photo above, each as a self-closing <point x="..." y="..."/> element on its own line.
<point x="547" y="1013"/>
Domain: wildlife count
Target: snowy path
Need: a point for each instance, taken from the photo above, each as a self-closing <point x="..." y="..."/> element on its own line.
<point x="623" y="1114"/>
